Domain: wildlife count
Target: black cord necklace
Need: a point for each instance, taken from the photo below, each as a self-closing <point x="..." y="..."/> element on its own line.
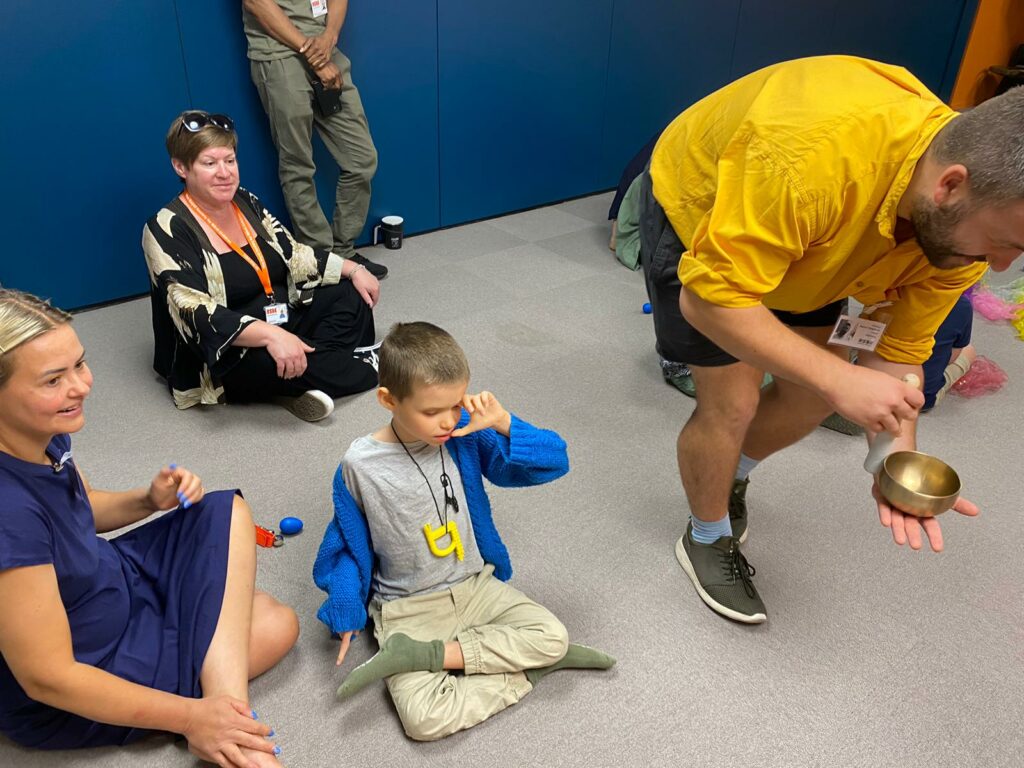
<point x="446" y="482"/>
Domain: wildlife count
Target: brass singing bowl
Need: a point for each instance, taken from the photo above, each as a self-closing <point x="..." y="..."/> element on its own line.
<point x="918" y="484"/>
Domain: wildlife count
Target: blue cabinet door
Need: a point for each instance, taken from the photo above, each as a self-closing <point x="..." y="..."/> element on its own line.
<point x="85" y="90"/>
<point x="521" y="102"/>
<point x="664" y="56"/>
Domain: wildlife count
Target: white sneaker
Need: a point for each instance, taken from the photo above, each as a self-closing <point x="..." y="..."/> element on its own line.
<point x="368" y="355"/>
<point x="311" y="405"/>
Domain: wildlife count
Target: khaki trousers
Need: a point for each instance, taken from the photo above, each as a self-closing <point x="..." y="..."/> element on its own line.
<point x="287" y="96"/>
<point x="502" y="632"/>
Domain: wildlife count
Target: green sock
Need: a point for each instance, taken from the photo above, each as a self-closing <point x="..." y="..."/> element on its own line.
<point x="577" y="657"/>
<point x="398" y="654"/>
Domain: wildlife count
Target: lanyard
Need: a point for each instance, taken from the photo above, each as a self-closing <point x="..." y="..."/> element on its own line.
<point x="260" y="265"/>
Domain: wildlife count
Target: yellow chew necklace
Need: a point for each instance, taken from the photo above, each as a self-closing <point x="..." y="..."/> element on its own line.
<point x="436" y="534"/>
<point x="447" y="527"/>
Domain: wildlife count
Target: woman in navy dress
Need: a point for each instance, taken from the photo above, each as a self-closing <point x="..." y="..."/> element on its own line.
<point x="159" y="629"/>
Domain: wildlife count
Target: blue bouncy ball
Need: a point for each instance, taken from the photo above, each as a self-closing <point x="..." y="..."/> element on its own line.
<point x="290" y="526"/>
<point x="647" y="309"/>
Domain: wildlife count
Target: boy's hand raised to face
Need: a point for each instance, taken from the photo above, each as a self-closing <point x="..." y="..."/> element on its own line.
<point x="484" y="411"/>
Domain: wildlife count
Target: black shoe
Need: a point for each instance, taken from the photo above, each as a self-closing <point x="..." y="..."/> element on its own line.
<point x="722" y="577"/>
<point x="377" y="270"/>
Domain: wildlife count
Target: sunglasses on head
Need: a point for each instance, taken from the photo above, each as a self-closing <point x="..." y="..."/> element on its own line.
<point x="193" y="122"/>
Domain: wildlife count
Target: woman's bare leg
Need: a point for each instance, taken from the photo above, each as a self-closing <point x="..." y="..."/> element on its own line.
<point x="273" y="632"/>
<point x="227" y="664"/>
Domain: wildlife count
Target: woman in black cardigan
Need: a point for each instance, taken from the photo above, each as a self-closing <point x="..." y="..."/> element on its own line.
<point x="241" y="311"/>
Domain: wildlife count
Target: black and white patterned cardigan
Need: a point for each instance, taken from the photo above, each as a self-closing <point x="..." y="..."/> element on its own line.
<point x="193" y="326"/>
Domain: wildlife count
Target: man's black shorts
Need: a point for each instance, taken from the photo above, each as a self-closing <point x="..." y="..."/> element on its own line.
<point x="677" y="340"/>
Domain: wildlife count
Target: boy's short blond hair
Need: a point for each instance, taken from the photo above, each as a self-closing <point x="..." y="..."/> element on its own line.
<point x="419" y="354"/>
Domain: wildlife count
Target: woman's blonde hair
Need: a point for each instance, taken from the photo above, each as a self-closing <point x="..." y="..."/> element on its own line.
<point x="22" y="318"/>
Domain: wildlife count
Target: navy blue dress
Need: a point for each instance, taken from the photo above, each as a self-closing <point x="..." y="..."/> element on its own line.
<point x="142" y="606"/>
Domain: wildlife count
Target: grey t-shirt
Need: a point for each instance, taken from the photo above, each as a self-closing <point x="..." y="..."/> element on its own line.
<point x="263" y="47"/>
<point x="396" y="502"/>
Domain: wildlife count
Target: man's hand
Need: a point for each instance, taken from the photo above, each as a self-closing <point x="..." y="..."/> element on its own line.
<point x="484" y="411"/>
<point x="318" y="50"/>
<point x="289" y="352"/>
<point x="876" y="400"/>
<point x="330" y="76"/>
<point x="346" y="640"/>
<point x="907" y="528"/>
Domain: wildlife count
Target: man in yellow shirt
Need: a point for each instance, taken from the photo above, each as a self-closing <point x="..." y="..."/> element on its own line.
<point x="766" y="205"/>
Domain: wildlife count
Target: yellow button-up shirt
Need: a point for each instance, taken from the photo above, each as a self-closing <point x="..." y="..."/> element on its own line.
<point x="784" y="186"/>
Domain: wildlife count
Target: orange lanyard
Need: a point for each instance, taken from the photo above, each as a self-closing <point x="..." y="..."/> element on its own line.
<point x="260" y="265"/>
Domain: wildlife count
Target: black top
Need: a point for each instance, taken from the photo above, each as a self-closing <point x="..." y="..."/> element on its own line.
<point x="242" y="284"/>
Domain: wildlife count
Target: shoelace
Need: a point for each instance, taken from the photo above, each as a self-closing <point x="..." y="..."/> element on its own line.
<point x="737" y="567"/>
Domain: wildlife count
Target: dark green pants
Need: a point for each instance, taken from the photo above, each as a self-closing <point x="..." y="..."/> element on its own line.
<point x="287" y="96"/>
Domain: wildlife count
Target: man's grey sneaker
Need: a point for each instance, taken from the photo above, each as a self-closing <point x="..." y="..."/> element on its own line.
<point x="738" y="509"/>
<point x="838" y="423"/>
<point x="683" y="382"/>
<point x="722" y="577"/>
<point x="377" y="270"/>
<point x="369" y="355"/>
<point x="312" y="405"/>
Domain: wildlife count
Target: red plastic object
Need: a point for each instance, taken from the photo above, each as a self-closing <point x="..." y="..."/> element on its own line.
<point x="265" y="537"/>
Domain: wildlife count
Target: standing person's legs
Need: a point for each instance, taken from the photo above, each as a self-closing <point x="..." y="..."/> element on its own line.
<point x="346" y="134"/>
<point x="709" y="445"/>
<point x="287" y="96"/>
<point x="253" y="632"/>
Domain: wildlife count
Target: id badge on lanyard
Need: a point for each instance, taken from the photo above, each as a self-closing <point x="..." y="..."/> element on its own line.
<point x="319" y="8"/>
<point x="276" y="314"/>
<point x="859" y="332"/>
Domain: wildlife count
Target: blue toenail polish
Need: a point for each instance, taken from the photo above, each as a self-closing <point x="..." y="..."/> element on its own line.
<point x="277" y="750"/>
<point x="271" y="734"/>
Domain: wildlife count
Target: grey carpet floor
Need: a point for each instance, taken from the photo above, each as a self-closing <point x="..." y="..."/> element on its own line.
<point x="872" y="656"/>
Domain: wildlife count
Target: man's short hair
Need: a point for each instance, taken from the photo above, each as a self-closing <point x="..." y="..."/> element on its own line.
<point x="185" y="146"/>
<point x="419" y="354"/>
<point x="989" y="141"/>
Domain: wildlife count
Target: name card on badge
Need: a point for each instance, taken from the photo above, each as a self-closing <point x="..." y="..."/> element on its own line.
<point x="277" y="314"/>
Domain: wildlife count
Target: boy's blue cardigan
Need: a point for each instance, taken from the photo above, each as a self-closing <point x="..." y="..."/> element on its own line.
<point x="344" y="564"/>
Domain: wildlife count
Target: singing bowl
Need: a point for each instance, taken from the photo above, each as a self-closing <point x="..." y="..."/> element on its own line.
<point x="918" y="484"/>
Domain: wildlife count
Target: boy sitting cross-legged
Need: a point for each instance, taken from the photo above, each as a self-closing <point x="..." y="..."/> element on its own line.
<point x="433" y="578"/>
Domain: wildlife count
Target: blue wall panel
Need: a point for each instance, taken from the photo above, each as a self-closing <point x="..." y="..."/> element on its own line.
<point x="664" y="55"/>
<point x="85" y="89"/>
<point x="769" y="32"/>
<point x="521" y="100"/>
<point x="917" y="34"/>
<point x="393" y="47"/>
